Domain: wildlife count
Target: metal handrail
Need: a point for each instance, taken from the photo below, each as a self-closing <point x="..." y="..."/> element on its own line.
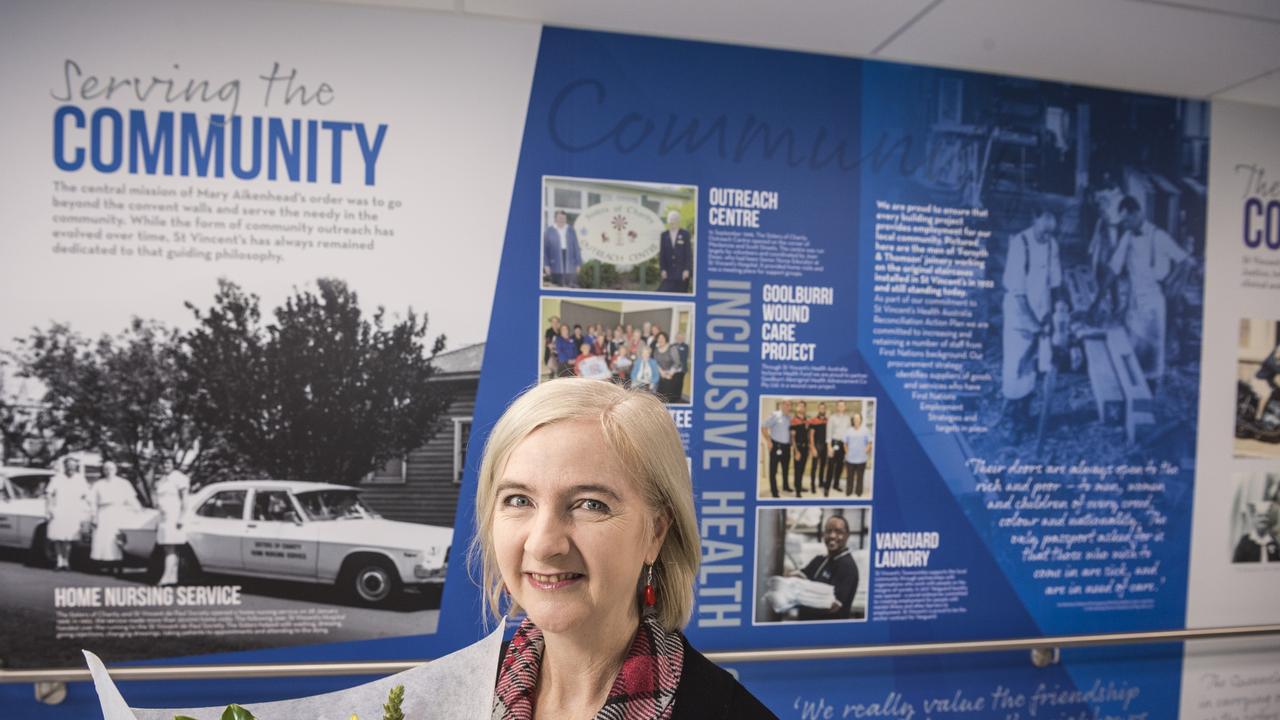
<point x="728" y="657"/>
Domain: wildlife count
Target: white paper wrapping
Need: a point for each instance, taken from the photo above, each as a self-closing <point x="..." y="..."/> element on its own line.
<point x="458" y="686"/>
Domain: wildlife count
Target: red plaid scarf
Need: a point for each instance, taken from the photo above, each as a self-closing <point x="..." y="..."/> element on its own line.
<point x="645" y="688"/>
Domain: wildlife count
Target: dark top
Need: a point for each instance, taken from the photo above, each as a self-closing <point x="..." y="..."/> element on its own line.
<point x="548" y="343"/>
<point x="840" y="571"/>
<point x="819" y="427"/>
<point x="800" y="432"/>
<point x="683" y="350"/>
<point x="707" y="692"/>
<point x="674" y="255"/>
<point x="1270" y="368"/>
<point x="566" y="350"/>
<point x="668" y="359"/>
<point x="1248" y="550"/>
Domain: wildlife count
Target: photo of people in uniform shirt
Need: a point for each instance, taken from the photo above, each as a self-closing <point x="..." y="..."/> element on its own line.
<point x="615" y="235"/>
<point x="815" y="447"/>
<point x="812" y="563"/>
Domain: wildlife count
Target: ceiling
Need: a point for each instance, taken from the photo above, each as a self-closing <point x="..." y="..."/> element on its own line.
<point x="1227" y="49"/>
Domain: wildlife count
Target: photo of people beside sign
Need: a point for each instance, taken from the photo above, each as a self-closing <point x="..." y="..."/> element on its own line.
<point x="618" y="235"/>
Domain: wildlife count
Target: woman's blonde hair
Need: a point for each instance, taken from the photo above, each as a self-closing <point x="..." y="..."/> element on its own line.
<point x="642" y="436"/>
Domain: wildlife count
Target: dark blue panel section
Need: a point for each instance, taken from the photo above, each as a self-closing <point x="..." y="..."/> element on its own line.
<point x="1134" y="682"/>
<point x="1103" y="545"/>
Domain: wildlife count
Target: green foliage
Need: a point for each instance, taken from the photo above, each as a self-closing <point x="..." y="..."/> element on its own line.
<point x="595" y="274"/>
<point x="395" y="699"/>
<point x="235" y="712"/>
<point x="652" y="274"/>
<point x="688" y="215"/>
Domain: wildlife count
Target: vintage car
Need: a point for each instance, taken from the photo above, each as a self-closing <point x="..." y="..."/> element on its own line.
<point x="22" y="518"/>
<point x="304" y="531"/>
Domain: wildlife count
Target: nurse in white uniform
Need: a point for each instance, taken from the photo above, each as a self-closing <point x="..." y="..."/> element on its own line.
<point x="66" y="506"/>
<point x="170" y="495"/>
<point x="111" y="499"/>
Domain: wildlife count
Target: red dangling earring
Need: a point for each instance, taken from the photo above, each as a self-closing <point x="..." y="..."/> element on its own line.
<point x="650" y="594"/>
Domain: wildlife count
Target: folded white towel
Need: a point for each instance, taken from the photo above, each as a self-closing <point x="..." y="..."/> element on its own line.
<point x="785" y="593"/>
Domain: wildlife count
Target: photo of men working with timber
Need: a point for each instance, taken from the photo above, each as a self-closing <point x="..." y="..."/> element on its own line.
<point x="1095" y="204"/>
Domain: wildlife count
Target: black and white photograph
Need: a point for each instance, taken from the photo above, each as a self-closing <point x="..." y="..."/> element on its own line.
<point x="257" y="474"/>
<point x="615" y="235"/>
<point x="1255" y="520"/>
<point x="1257" y="432"/>
<point x="812" y="564"/>
<point x="1100" y="284"/>
<point x="815" y="447"/>
<point x="1095" y="202"/>
<point x="636" y="342"/>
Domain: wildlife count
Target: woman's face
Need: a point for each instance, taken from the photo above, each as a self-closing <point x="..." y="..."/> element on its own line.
<point x="571" y="536"/>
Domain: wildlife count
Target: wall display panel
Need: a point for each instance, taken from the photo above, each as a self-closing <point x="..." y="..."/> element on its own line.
<point x="1233" y="550"/>
<point x="1236" y="490"/>
<point x="936" y="344"/>
<point x="976" y="260"/>
<point x="198" y="237"/>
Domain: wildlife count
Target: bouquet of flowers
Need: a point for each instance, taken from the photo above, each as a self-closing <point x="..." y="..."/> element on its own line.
<point x="391" y="711"/>
<point x="458" y="686"/>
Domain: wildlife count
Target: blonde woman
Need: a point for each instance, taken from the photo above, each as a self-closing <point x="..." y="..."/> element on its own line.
<point x="586" y="529"/>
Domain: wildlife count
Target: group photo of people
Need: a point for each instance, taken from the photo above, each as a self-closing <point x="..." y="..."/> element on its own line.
<point x="618" y="235"/>
<point x="812" y="563"/>
<point x="88" y="502"/>
<point x="1255" y="519"/>
<point x="815" y="447"/>
<point x="629" y="341"/>
<point x="1257" y="430"/>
